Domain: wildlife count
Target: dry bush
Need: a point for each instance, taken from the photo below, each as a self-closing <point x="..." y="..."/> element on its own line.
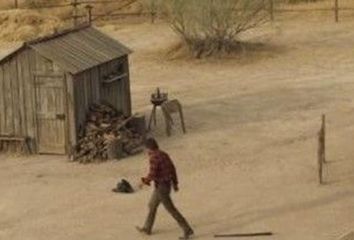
<point x="213" y="26"/>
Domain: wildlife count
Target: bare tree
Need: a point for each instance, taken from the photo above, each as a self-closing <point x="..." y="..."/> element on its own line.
<point x="209" y="26"/>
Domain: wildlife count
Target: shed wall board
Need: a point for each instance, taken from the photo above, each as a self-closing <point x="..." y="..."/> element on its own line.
<point x="86" y="87"/>
<point x="2" y="101"/>
<point x="16" y="91"/>
<point x="31" y="97"/>
<point x="127" y="100"/>
<point x="79" y="102"/>
<point x="70" y="98"/>
<point x="15" y="97"/>
<point x="21" y="99"/>
<point x="112" y="93"/>
<point x="9" y="123"/>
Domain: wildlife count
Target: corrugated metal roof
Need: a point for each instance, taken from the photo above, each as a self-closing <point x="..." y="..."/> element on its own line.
<point x="78" y="49"/>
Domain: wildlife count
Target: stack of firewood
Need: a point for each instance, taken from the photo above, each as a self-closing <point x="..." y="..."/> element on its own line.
<point x="106" y="135"/>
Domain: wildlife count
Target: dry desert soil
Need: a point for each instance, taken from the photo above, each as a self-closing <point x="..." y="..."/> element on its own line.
<point x="248" y="162"/>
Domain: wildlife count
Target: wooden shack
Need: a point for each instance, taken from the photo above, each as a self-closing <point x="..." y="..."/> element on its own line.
<point x="47" y="86"/>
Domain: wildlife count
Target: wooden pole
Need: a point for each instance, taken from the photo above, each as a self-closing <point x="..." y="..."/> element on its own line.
<point x="336" y="11"/>
<point x="74" y="3"/>
<point x="271" y="9"/>
<point x="153" y="11"/>
<point x="321" y="149"/>
<point x="89" y="14"/>
<point x="153" y="17"/>
<point x="16" y="3"/>
<point x="320" y="163"/>
<point x="324" y="138"/>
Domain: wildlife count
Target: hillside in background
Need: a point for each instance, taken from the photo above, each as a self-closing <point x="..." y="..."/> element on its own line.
<point x="31" y="20"/>
<point x="35" y="18"/>
<point x="20" y="25"/>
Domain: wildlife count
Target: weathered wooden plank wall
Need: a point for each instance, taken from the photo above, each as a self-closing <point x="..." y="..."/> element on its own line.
<point x="9" y="122"/>
<point x="29" y="67"/>
<point x="16" y="90"/>
<point x="21" y="99"/>
<point x="127" y="102"/>
<point x="2" y="101"/>
<point x="86" y="90"/>
<point x="18" y="106"/>
<point x="79" y="102"/>
<point x="114" y="93"/>
<point x="14" y="94"/>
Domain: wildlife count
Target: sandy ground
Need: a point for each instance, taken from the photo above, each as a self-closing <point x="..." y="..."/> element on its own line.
<point x="248" y="162"/>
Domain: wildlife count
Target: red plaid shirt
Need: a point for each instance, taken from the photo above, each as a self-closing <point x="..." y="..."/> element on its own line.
<point x="162" y="169"/>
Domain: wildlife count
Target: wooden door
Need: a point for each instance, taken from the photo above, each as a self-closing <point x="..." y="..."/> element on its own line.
<point x="51" y="113"/>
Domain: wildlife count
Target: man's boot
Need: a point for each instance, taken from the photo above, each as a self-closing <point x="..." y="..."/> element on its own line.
<point x="187" y="235"/>
<point x="143" y="230"/>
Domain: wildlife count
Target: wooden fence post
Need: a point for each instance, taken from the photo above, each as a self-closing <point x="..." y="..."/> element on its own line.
<point x="75" y="16"/>
<point x="153" y="17"/>
<point x="322" y="149"/>
<point x="153" y="11"/>
<point x="320" y="163"/>
<point x="271" y="9"/>
<point x="16" y="3"/>
<point x="324" y="138"/>
<point x="89" y="13"/>
<point x="336" y="11"/>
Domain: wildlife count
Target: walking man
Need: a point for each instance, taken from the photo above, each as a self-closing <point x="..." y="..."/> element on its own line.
<point x="163" y="174"/>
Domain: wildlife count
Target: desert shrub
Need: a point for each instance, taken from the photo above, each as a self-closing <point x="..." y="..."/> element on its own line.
<point x="211" y="26"/>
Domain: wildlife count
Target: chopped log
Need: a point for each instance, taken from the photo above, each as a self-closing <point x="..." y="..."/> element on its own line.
<point x="140" y="124"/>
<point x="106" y="136"/>
<point x="123" y="123"/>
<point x="115" y="149"/>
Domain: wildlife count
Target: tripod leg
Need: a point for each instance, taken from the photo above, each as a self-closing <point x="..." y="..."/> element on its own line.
<point x="167" y="118"/>
<point x="151" y="117"/>
<point x="182" y="119"/>
<point x="155" y="115"/>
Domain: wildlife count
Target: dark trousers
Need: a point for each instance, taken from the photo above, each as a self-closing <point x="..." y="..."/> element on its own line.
<point x="161" y="194"/>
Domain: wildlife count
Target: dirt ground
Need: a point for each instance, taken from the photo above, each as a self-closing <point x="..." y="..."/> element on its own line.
<point x="248" y="162"/>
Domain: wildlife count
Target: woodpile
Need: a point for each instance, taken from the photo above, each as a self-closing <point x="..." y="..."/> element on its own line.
<point x="106" y="135"/>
